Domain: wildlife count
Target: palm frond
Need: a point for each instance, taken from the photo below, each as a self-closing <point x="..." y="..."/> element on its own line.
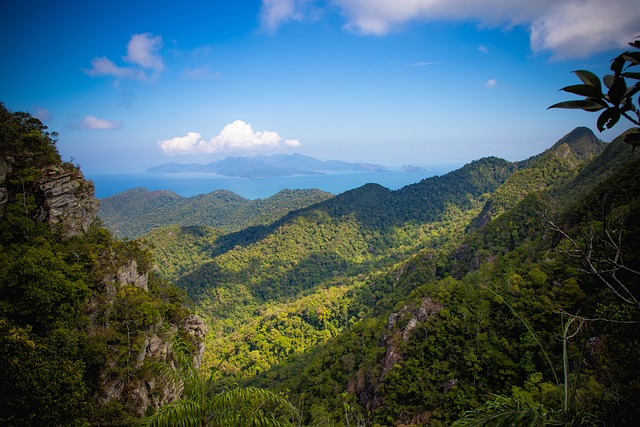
<point x="250" y="407"/>
<point x="183" y="413"/>
<point x="509" y="411"/>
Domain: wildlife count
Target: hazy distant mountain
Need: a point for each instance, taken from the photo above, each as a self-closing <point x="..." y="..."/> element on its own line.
<point x="267" y="166"/>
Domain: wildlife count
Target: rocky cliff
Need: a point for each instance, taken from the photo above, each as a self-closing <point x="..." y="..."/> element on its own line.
<point x="66" y="200"/>
<point x="75" y="298"/>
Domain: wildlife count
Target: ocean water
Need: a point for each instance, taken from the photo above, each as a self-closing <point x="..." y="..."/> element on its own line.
<point x="191" y="184"/>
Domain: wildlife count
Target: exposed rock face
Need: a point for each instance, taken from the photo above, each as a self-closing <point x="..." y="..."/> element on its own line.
<point x="195" y="327"/>
<point x="427" y="309"/>
<point x="129" y="275"/>
<point x="401" y="327"/>
<point x="139" y="392"/>
<point x="66" y="200"/>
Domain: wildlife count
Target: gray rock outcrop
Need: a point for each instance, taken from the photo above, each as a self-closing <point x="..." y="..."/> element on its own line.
<point x="66" y="200"/>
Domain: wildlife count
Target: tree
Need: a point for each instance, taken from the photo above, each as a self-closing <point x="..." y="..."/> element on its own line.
<point x="618" y="100"/>
<point x="199" y="405"/>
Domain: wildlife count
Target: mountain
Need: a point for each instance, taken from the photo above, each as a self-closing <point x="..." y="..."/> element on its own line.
<point x="556" y="165"/>
<point x="267" y="166"/>
<point x="500" y="291"/>
<point x="139" y="210"/>
<point x="411" y="306"/>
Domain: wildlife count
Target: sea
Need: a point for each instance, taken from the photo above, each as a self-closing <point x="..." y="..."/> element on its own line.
<point x="191" y="184"/>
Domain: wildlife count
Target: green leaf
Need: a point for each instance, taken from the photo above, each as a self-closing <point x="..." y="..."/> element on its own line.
<point x="608" y="118"/>
<point x="589" y="78"/>
<point x="617" y="91"/>
<point x="617" y="64"/>
<point x="632" y="57"/>
<point x="608" y="80"/>
<point x="631" y="75"/>
<point x="584" y="90"/>
<point x="586" y="105"/>
<point x="597" y="104"/>
<point x="632" y="91"/>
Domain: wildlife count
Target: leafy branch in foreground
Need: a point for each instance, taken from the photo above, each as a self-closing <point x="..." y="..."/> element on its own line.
<point x="199" y="405"/>
<point x="601" y="252"/>
<point x="523" y="407"/>
<point x="618" y="101"/>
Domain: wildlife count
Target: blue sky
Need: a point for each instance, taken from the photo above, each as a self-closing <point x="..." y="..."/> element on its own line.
<point x="132" y="84"/>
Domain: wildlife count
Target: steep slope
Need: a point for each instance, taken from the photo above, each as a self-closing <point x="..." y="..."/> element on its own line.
<point x="138" y="211"/>
<point x="456" y="326"/>
<point x="554" y="166"/>
<point x="321" y="257"/>
<point x="82" y="315"/>
<point x="381" y="213"/>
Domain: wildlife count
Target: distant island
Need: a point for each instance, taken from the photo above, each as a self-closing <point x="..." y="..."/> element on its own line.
<point x="276" y="165"/>
<point x="412" y="168"/>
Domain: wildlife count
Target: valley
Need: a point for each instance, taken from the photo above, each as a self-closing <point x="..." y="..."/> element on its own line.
<point x="392" y="299"/>
<point x="500" y="284"/>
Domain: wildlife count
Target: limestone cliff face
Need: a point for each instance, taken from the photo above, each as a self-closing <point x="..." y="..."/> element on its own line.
<point x="66" y="200"/>
<point x="401" y="327"/>
<point x="142" y="389"/>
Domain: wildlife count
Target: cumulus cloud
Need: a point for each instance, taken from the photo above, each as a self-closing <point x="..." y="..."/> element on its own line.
<point x="567" y="28"/>
<point x="95" y="123"/>
<point x="234" y="137"/>
<point x="292" y="143"/>
<point x="491" y="83"/>
<point x="143" y="51"/>
<point x="579" y="28"/>
<point x="143" y="55"/>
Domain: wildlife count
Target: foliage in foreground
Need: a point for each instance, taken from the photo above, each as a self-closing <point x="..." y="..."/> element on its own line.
<point x="199" y="404"/>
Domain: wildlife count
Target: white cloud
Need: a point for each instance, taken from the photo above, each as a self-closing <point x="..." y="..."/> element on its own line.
<point x="142" y="53"/>
<point x="274" y="13"/>
<point x="292" y="143"/>
<point x="566" y="28"/>
<point x="102" y="66"/>
<point x="483" y="49"/>
<point x="579" y="28"/>
<point x="234" y="137"/>
<point x="491" y="83"/>
<point x="94" y="123"/>
<point x="382" y="16"/>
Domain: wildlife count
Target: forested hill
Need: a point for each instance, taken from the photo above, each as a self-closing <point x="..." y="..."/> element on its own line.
<point x="504" y="291"/>
<point x="83" y="315"/>
<point x="380" y="211"/>
<point x="411" y="306"/>
<point x="138" y="210"/>
<point x="482" y="324"/>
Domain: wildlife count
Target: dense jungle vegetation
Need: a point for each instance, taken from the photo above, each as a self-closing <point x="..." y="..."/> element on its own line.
<point x="370" y="311"/>
<point x="68" y="324"/>
<point x="499" y="294"/>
